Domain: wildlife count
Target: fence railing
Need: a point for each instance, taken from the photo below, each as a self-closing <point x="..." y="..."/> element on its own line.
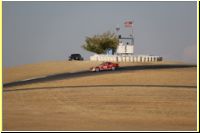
<point x="126" y="58"/>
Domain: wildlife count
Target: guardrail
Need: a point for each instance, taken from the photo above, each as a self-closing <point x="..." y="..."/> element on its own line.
<point x="126" y="58"/>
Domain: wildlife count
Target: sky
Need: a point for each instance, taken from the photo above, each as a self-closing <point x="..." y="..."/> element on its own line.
<point x="46" y="31"/>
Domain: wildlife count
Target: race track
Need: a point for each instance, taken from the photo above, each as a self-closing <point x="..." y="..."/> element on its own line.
<point x="89" y="73"/>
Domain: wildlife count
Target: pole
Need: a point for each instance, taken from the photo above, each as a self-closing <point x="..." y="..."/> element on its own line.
<point x="132" y="34"/>
<point x="132" y="37"/>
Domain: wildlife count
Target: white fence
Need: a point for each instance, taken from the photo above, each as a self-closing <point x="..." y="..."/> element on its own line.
<point x="126" y="58"/>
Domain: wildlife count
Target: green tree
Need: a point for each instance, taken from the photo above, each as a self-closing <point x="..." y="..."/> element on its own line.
<point x="100" y="43"/>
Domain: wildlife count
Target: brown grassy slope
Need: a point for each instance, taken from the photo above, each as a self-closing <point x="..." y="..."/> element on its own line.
<point x="58" y="106"/>
<point x="110" y="108"/>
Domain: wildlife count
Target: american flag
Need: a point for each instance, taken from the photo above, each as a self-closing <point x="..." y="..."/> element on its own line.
<point x="128" y="24"/>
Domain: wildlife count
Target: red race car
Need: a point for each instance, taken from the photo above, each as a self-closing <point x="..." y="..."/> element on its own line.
<point x="105" y="66"/>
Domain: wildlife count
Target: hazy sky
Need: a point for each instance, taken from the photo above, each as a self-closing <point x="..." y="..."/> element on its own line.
<point x="43" y="31"/>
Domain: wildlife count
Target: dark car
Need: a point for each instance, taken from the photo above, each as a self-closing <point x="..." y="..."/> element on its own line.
<point x="75" y="57"/>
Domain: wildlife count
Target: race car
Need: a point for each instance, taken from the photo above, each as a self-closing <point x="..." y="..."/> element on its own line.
<point x="105" y="66"/>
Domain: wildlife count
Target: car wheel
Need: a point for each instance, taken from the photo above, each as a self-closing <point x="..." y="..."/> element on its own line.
<point x="97" y="69"/>
<point x="113" y="68"/>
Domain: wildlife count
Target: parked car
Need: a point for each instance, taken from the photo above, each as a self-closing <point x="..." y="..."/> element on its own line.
<point x="105" y="66"/>
<point x="75" y="57"/>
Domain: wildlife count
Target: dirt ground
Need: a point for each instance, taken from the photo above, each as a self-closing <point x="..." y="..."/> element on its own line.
<point x="145" y="100"/>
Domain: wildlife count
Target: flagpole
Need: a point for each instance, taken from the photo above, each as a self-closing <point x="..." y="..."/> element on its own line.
<point x="129" y="24"/>
<point x="132" y="33"/>
<point x="132" y="36"/>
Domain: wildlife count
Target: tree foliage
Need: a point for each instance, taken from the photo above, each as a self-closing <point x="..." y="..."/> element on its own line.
<point x="100" y="43"/>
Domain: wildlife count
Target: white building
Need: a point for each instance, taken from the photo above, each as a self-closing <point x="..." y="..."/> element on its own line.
<point x="125" y="48"/>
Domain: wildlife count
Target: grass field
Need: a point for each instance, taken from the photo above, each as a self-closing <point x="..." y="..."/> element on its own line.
<point x="144" y="100"/>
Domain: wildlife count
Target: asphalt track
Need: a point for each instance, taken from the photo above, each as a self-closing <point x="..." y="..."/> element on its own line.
<point x="89" y="73"/>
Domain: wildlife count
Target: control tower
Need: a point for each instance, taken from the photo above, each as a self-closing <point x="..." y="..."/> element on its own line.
<point x="125" y="47"/>
<point x="126" y="44"/>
